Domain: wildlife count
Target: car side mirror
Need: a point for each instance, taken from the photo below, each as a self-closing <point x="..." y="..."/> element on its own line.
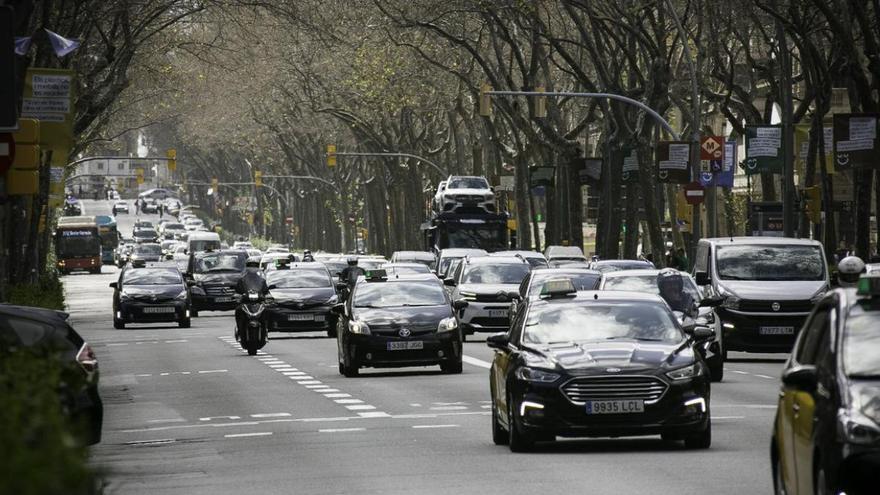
<point x="272" y="287"/>
<point x="190" y="282"/>
<point x="338" y="309"/>
<point x="114" y="285"/>
<point x="802" y="377"/>
<point x="712" y="302"/>
<point x="688" y="325"/>
<point x="498" y="341"/>
<point x="449" y="282"/>
<point x="702" y="278"/>
<point x="702" y="334"/>
<point x="459" y="304"/>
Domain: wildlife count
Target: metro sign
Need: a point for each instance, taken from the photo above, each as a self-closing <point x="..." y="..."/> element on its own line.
<point x="711" y="148"/>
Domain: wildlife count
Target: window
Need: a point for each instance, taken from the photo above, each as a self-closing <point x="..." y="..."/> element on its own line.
<point x="815" y="335"/>
<point x="100" y="165"/>
<point x="121" y="166"/>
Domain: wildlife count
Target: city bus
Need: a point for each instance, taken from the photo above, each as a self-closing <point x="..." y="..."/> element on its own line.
<point x="78" y="245"/>
<point x="109" y="237"/>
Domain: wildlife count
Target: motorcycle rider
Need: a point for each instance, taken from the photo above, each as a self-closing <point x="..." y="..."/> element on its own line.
<point x="671" y="286"/>
<point x="849" y="270"/>
<point x="252" y="280"/>
<point x="307" y="256"/>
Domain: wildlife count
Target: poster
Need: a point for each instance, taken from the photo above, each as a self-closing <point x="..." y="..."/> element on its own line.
<point x="672" y="159"/>
<point x="855" y="140"/>
<point x="48" y="97"/>
<point x="630" y="167"/>
<point x="763" y="149"/>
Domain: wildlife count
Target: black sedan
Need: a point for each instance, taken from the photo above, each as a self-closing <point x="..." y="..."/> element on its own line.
<point x="304" y="295"/>
<point x="396" y="321"/>
<point x="597" y="364"/>
<point x="47" y="333"/>
<point x="214" y="276"/>
<point x="150" y="295"/>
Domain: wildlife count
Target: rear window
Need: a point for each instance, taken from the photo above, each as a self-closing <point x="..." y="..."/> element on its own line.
<point x="581" y="281"/>
<point x="22" y="331"/>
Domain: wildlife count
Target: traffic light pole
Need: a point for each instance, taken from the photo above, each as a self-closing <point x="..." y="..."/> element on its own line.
<point x="393" y="154"/>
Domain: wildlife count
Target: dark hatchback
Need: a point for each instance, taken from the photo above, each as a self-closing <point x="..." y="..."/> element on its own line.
<point x="398" y="321"/>
<point x="214" y="276"/>
<point x="153" y="294"/>
<point x="46" y="331"/>
<point x="304" y="295"/>
<point x="596" y="364"/>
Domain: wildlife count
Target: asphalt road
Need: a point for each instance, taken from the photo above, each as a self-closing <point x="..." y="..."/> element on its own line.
<point x="186" y="411"/>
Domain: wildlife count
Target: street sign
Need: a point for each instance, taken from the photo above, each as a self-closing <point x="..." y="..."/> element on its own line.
<point x="672" y="158"/>
<point x="541" y="176"/>
<point x="7" y="151"/>
<point x="694" y="193"/>
<point x="855" y="140"/>
<point x="711" y="147"/>
<point x="172" y="159"/>
<point x="630" y="167"/>
<point x="288" y="220"/>
<point x="331" y="155"/>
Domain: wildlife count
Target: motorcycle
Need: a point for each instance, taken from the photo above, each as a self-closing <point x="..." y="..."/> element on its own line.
<point x="254" y="335"/>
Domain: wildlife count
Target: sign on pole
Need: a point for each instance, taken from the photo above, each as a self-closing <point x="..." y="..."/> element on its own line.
<point x="764" y="149"/>
<point x="541" y="176"/>
<point x="694" y="193"/>
<point x="630" y="167"/>
<point x="711" y="153"/>
<point x="48" y="97"/>
<point x="672" y="159"/>
<point x="855" y="140"/>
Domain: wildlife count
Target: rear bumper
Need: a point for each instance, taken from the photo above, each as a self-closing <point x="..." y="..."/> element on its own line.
<point x="372" y="350"/>
<point x="481" y="317"/>
<point x="69" y="264"/>
<point x="279" y="319"/>
<point x="138" y="312"/>
<point x="743" y="331"/>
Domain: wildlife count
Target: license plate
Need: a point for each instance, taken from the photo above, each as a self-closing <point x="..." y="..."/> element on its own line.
<point x="223" y="299"/>
<point x="301" y="317"/>
<point x="320" y="318"/>
<point x="159" y="309"/>
<point x="776" y="331"/>
<point x="615" y="406"/>
<point x="408" y="345"/>
<point x="497" y="313"/>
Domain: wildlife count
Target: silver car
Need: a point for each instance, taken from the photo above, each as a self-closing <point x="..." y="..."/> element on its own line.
<point x="488" y="284"/>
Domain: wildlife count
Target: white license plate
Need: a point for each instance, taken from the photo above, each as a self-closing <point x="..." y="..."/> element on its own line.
<point x="159" y="309"/>
<point x="301" y="317"/>
<point x="615" y="406"/>
<point x="497" y="313"/>
<point x="776" y="331"/>
<point x="222" y="299"/>
<point x="408" y="345"/>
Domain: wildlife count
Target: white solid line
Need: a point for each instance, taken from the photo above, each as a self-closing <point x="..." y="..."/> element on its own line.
<point x="214" y="371"/>
<point x="256" y="434"/>
<point x="174" y="420"/>
<point x="340" y="430"/>
<point x="765" y="376"/>
<point x="348" y="401"/>
<point x="336" y="396"/>
<point x="359" y="407"/>
<point x="271" y="415"/>
<point x="374" y="414"/>
<point x="434" y="426"/>
<point x="740" y="372"/>
<point x="151" y="442"/>
<point x="476" y="362"/>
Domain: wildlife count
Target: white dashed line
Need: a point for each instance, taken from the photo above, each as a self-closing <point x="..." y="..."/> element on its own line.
<point x="363" y="407"/>
<point x="152" y="442"/>
<point x="374" y="414"/>
<point x="765" y="376"/>
<point x="418" y="427"/>
<point x="242" y="435"/>
<point x="209" y="418"/>
<point x="340" y="430"/>
<point x="271" y="415"/>
<point x="476" y="362"/>
<point x="172" y="420"/>
<point x="212" y="371"/>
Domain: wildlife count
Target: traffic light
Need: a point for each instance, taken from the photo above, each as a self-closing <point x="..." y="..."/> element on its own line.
<point x="331" y="155"/>
<point x="215" y="185"/>
<point x="172" y="159"/>
<point x="540" y="104"/>
<point x="139" y="175"/>
<point x="485" y="100"/>
<point x="813" y="198"/>
<point x="258" y="178"/>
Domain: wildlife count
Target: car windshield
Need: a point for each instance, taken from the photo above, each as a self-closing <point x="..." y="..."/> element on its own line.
<point x="769" y="263"/>
<point x="146" y="233"/>
<point x="648" y="285"/>
<point x="407" y="269"/>
<point x="143" y="224"/>
<point x="581" y="281"/>
<point x="616" y="266"/>
<point x="560" y="323"/>
<point x="221" y="262"/>
<point x="503" y="273"/>
<point x="193" y="221"/>
<point x="395" y="294"/>
<point x="148" y="249"/>
<point x="173" y="226"/>
<point x="87" y="244"/>
<point x="146" y="276"/>
<point x="204" y="244"/>
<point x="468" y="183"/>
<point x="298" y="279"/>
<point x="861" y="342"/>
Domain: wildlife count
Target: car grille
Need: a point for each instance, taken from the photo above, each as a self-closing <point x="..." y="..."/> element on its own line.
<point x="301" y="305"/>
<point x="647" y="388"/>
<point x="461" y="198"/>
<point x="147" y="298"/>
<point x="766" y="306"/>
<point x="218" y="290"/>
<point x="488" y="298"/>
<point x="394" y="331"/>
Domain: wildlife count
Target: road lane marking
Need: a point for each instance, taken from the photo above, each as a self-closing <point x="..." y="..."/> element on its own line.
<point x="336" y="396"/>
<point x="418" y="427"/>
<point x="374" y="414"/>
<point x="740" y="372"/>
<point x="340" y="430"/>
<point x="176" y="341"/>
<point x="152" y="442"/>
<point x="348" y="401"/>
<point x="271" y="415"/>
<point x="765" y="376"/>
<point x="209" y="418"/>
<point x="310" y="382"/>
<point x="212" y="371"/>
<point x="360" y="407"/>
<point x="476" y="362"/>
<point x="448" y="408"/>
<point x="242" y="435"/>
<point x="172" y="420"/>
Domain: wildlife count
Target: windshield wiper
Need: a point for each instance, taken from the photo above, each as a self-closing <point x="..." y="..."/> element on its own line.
<point x="224" y="269"/>
<point x="640" y="339"/>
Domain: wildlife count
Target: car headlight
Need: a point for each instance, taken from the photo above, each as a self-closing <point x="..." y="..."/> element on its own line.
<point x="731" y="302"/>
<point x="181" y="296"/>
<point x="819" y="295"/>
<point x="536" y="375"/>
<point x="359" y="327"/>
<point x="685" y="373"/>
<point x="447" y="325"/>
<point x="855" y="427"/>
<point x="124" y="297"/>
<point x="468" y="296"/>
<point x="333" y="299"/>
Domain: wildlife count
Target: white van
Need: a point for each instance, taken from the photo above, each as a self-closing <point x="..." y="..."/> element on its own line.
<point x="202" y="241"/>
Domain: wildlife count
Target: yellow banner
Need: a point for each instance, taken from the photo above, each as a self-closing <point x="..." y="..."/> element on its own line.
<point x="48" y="97"/>
<point x="802" y="147"/>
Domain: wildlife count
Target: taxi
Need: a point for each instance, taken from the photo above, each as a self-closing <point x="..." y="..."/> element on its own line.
<point x="826" y="435"/>
<point x="398" y="320"/>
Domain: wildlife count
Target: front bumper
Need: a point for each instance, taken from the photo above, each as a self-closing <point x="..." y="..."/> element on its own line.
<point x="372" y="350"/>
<point x="742" y="331"/>
<point x="283" y="319"/>
<point x="150" y="312"/>
<point x="481" y="316"/>
<point x="214" y="298"/>
<point x="669" y="416"/>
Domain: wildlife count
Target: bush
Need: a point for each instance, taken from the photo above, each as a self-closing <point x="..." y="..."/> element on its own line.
<point x="47" y="293"/>
<point x="38" y="449"/>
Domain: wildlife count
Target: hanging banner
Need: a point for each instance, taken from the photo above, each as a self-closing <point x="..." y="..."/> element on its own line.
<point x="48" y="97"/>
<point x="855" y="140"/>
<point x="763" y="149"/>
<point x="672" y="159"/>
<point x="630" y="167"/>
<point x="802" y="149"/>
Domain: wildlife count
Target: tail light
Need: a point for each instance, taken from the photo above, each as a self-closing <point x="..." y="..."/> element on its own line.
<point x="87" y="359"/>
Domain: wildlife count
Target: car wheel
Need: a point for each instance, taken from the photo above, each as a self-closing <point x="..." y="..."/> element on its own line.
<point x="716" y="367"/>
<point x="702" y="440"/>
<point x="349" y="368"/>
<point x="517" y="440"/>
<point x="184" y="323"/>
<point x="118" y="324"/>
<point x="252" y="350"/>
<point x="451" y="367"/>
<point x="499" y="434"/>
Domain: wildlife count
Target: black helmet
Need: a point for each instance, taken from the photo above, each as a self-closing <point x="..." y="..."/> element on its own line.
<point x="306" y="251"/>
<point x="352" y="261"/>
<point x="252" y="262"/>
<point x="670" y="285"/>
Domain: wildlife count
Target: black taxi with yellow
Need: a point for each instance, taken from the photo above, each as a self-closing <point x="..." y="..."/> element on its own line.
<point x="826" y="435"/>
<point x="598" y="364"/>
<point x="396" y="321"/>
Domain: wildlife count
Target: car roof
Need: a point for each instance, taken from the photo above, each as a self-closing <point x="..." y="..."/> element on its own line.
<point x="408" y="277"/>
<point x="407" y="264"/>
<point x="752" y="240"/>
<point x="414" y="254"/>
<point x="496" y="260"/>
<point x="565" y="270"/>
<point x="50" y="316"/>
<point x="564" y="251"/>
<point x="524" y="254"/>
<point x="642" y="273"/>
<point x="625" y="262"/>
<point x="462" y="252"/>
<point x="236" y="252"/>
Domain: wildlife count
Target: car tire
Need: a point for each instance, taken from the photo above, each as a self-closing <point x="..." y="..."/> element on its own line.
<point x="702" y="440"/>
<point x="716" y="367"/>
<point x="517" y="440"/>
<point x="252" y="350"/>
<point x="118" y="324"/>
<point x="452" y="367"/>
<point x="350" y="369"/>
<point x="499" y="434"/>
<point x="184" y="323"/>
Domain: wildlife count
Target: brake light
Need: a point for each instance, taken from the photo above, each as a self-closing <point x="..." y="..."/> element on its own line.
<point x="87" y="359"/>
